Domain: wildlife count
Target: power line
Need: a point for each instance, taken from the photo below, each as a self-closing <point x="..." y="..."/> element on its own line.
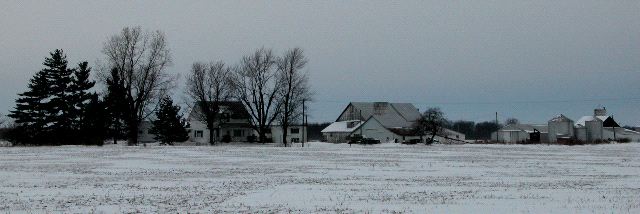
<point x="502" y="102"/>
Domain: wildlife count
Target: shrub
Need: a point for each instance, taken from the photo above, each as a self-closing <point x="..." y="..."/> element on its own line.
<point x="252" y="138"/>
<point x="226" y="138"/>
<point x="624" y="140"/>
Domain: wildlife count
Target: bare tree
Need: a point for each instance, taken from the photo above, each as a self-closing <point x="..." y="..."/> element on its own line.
<point x="295" y="88"/>
<point x="141" y="60"/>
<point x="256" y="85"/>
<point x="208" y="86"/>
<point x="431" y="122"/>
<point x="511" y="121"/>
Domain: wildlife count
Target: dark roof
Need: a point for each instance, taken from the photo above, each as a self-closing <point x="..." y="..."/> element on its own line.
<point x="390" y="115"/>
<point x="235" y="108"/>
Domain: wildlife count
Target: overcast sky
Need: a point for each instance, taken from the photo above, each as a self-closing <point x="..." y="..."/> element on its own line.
<point x="525" y="59"/>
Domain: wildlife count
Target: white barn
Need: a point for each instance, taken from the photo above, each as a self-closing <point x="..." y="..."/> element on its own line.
<point x="387" y="122"/>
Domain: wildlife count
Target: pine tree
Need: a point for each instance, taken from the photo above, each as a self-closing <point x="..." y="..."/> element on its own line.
<point x="94" y="123"/>
<point x="79" y="93"/>
<point x="50" y="111"/>
<point x="168" y="127"/>
<point x="115" y="105"/>
<point x="31" y="111"/>
<point x="61" y="105"/>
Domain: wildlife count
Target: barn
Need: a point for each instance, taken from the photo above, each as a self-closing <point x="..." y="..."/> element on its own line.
<point x="384" y="121"/>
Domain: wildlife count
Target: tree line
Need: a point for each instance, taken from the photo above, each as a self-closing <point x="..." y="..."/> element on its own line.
<point x="62" y="106"/>
<point x="433" y="122"/>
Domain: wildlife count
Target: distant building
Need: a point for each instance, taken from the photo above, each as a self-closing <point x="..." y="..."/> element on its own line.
<point x="519" y="133"/>
<point x="560" y="128"/>
<point x="296" y="133"/>
<point x="387" y="122"/>
<point x="234" y="121"/>
<point x="144" y="135"/>
<point x="600" y="126"/>
<point x="596" y="127"/>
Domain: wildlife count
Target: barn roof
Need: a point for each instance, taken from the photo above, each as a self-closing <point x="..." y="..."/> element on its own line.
<point x="342" y="126"/>
<point x="390" y="115"/>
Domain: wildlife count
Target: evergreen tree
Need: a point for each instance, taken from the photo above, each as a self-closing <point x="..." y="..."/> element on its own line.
<point x="60" y="106"/>
<point x="79" y="92"/>
<point x="50" y="111"/>
<point x="168" y="127"/>
<point x="115" y="105"/>
<point x="94" y="123"/>
<point x="31" y="112"/>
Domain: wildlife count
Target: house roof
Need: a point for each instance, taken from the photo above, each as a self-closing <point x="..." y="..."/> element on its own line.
<point x="235" y="109"/>
<point x="390" y="115"/>
<point x="342" y="126"/>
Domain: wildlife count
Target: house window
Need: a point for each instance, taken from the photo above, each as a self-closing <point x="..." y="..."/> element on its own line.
<point x="199" y="134"/>
<point x="226" y="117"/>
<point x="237" y="133"/>
<point x="295" y="140"/>
<point x="295" y="130"/>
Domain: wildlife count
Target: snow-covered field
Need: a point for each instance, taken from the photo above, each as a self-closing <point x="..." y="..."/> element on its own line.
<point x="322" y="178"/>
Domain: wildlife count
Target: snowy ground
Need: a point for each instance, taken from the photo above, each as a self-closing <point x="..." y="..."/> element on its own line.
<point x="322" y="178"/>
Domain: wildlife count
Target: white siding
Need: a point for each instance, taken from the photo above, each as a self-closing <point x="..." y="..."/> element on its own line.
<point x="373" y="129"/>
<point x="276" y="134"/>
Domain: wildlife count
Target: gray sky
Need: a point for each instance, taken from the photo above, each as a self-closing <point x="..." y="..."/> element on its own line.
<point x="525" y="59"/>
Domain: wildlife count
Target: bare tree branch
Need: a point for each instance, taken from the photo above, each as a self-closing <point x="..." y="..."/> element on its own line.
<point x="207" y="87"/>
<point x="141" y="60"/>
<point x="256" y="85"/>
<point x="295" y="88"/>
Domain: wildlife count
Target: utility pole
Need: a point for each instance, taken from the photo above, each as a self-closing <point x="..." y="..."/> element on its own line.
<point x="306" y="120"/>
<point x="497" y="126"/>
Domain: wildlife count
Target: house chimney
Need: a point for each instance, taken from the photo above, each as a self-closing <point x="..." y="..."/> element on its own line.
<point x="600" y="112"/>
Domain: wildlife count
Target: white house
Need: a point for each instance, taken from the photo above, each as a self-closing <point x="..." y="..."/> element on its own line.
<point x="234" y="121"/>
<point x="387" y="122"/>
<point x="296" y="134"/>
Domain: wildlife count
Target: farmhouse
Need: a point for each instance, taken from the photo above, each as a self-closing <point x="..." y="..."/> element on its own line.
<point x="235" y="122"/>
<point x="387" y="122"/>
